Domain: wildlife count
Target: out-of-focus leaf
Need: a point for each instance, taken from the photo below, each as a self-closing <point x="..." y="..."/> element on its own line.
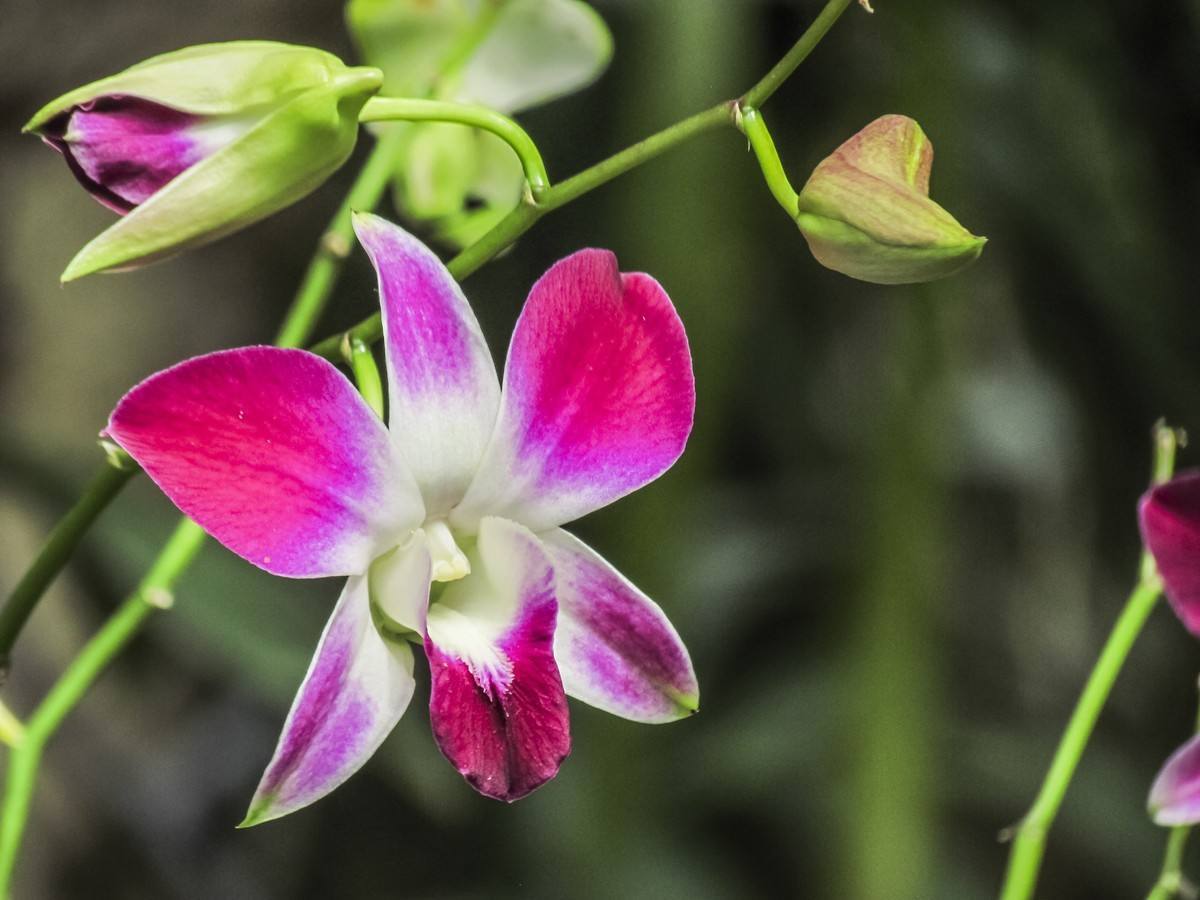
<point x="537" y="50"/>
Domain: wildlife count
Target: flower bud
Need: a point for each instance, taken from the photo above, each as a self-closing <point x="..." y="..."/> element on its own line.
<point x="192" y="145"/>
<point x="866" y="212"/>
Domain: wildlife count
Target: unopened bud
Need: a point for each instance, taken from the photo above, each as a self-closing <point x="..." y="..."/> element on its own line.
<point x="866" y="211"/>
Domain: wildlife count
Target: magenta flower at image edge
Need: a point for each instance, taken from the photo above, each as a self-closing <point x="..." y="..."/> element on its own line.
<point x="1169" y="516"/>
<point x="446" y="522"/>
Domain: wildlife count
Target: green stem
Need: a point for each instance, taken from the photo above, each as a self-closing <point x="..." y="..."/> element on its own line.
<point x="57" y="549"/>
<point x="153" y="593"/>
<point x="774" y="79"/>
<point x="389" y="109"/>
<point x="366" y="373"/>
<point x="768" y="159"/>
<point x="1029" y="842"/>
<point x="1171" y="881"/>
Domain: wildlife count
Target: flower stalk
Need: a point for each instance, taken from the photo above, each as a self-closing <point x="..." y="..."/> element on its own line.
<point x="389" y="109"/>
<point x="366" y="374"/>
<point x="751" y="122"/>
<point x="58" y="548"/>
<point x="1029" y="836"/>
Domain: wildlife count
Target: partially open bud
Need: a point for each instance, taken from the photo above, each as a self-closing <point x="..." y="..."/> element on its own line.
<point x="866" y="212"/>
<point x="195" y="144"/>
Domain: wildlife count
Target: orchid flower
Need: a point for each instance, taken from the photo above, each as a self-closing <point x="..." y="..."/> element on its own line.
<point x="447" y="522"/>
<point x="1169" y="516"/>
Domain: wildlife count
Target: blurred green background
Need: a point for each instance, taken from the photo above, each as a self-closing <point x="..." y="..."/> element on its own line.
<point x="902" y="528"/>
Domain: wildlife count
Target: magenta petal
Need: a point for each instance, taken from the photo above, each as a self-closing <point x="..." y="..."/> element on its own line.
<point x="1169" y="515"/>
<point x="598" y="396"/>
<point x="496" y="705"/>
<point x="274" y="454"/>
<point x="443" y="391"/>
<point x="124" y="149"/>
<point x="356" y="689"/>
<point x="1175" y="796"/>
<point x="615" y="647"/>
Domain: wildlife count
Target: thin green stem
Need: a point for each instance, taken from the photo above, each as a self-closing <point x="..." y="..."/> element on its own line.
<point x="632" y="157"/>
<point x="1029" y="843"/>
<point x="153" y="593"/>
<point x="389" y="109"/>
<point x="763" y="145"/>
<point x="783" y="69"/>
<point x="366" y="373"/>
<point x="1172" y="883"/>
<point x="57" y="549"/>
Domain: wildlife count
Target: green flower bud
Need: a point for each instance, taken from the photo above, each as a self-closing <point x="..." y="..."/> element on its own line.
<point x="866" y="212"/>
<point x="193" y="145"/>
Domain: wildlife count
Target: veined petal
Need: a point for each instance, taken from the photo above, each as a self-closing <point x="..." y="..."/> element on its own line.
<point x="442" y="387"/>
<point x="1169" y="515"/>
<point x="275" y="455"/>
<point x="357" y="687"/>
<point x="1175" y="796"/>
<point x="615" y="647"/>
<point x="496" y="702"/>
<point x="598" y="397"/>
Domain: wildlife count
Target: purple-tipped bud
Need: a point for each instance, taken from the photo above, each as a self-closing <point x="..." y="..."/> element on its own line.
<point x="195" y="144"/>
<point x="1175" y="796"/>
<point x="125" y="149"/>
<point x="1169" y="516"/>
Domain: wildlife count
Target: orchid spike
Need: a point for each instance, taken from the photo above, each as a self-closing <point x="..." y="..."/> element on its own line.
<point x="192" y="145"/>
<point x="274" y="454"/>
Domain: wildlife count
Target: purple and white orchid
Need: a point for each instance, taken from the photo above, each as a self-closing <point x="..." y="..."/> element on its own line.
<point x="447" y="523"/>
